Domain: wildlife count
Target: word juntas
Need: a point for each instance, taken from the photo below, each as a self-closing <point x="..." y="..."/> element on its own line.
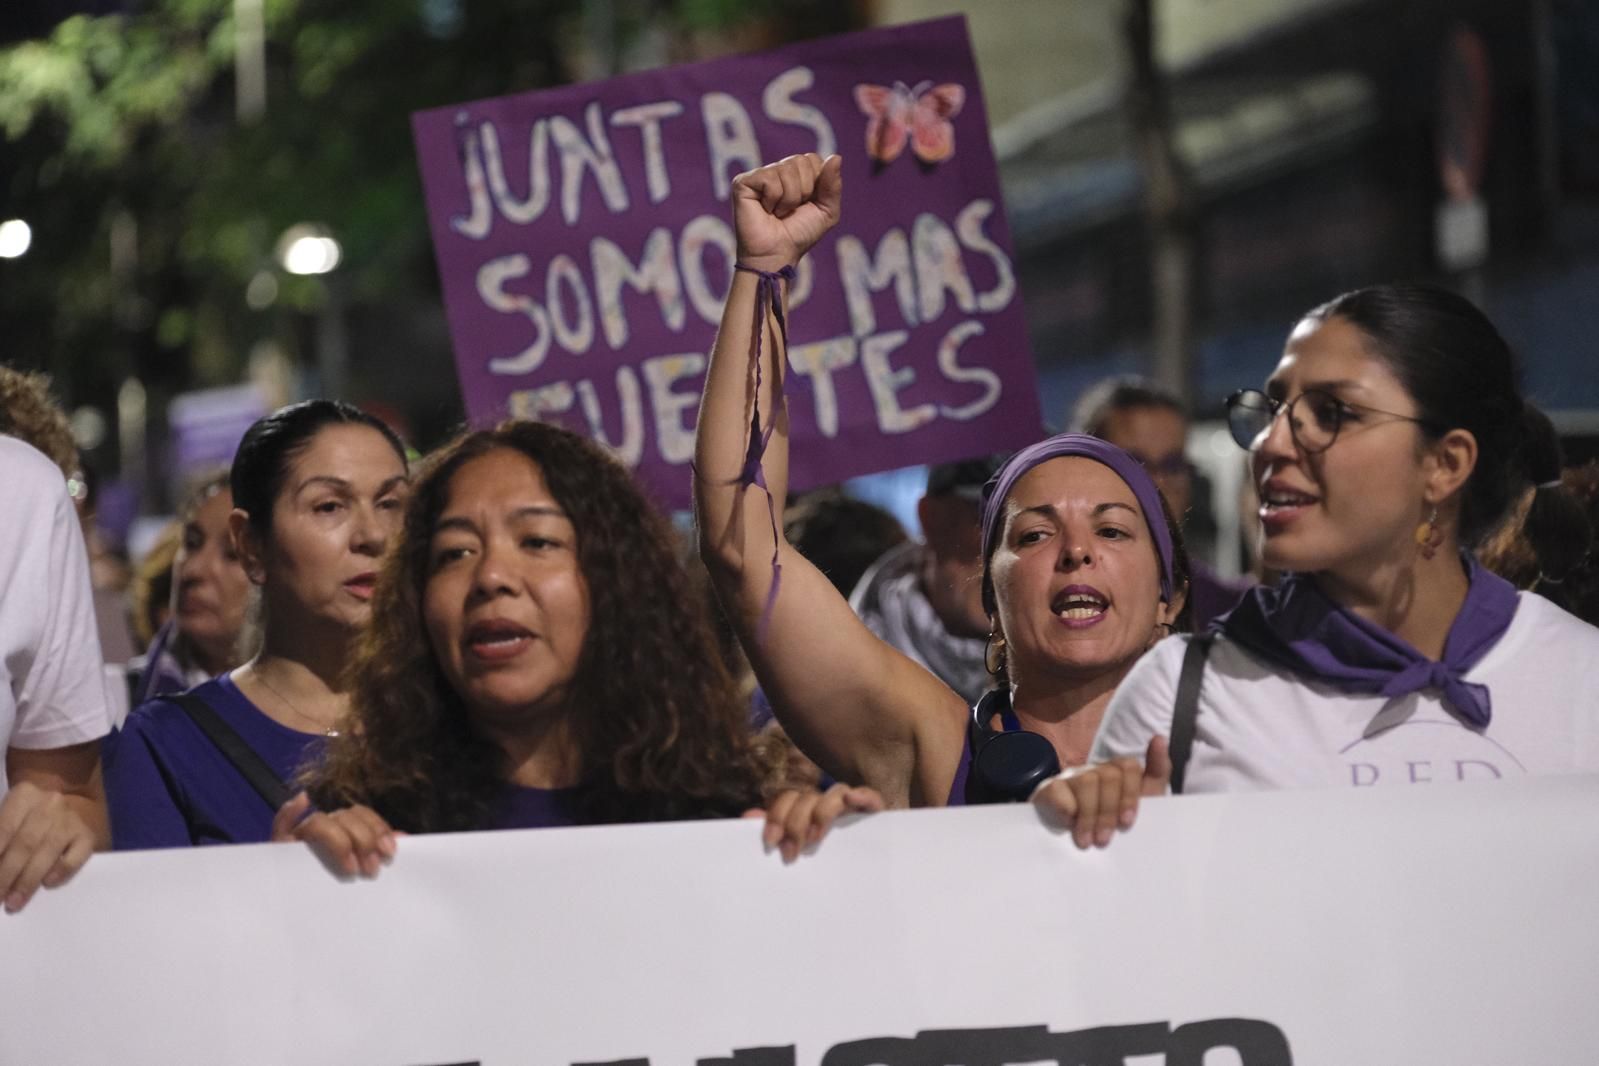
<point x="730" y="139"/>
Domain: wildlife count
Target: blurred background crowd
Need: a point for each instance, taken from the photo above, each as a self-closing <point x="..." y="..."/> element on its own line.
<point x="209" y="208"/>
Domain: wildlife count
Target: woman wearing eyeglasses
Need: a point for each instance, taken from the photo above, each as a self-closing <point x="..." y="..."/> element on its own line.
<point x="1390" y="439"/>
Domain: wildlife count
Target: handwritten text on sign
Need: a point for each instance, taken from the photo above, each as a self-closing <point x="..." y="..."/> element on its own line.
<point x="585" y="249"/>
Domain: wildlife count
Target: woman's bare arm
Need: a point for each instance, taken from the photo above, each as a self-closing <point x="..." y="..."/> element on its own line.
<point x="865" y="712"/>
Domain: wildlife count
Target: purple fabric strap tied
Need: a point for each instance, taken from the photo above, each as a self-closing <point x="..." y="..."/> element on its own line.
<point x="1125" y="466"/>
<point x="767" y="297"/>
<point x="305" y="815"/>
<point x="162" y="672"/>
<point x="1296" y="627"/>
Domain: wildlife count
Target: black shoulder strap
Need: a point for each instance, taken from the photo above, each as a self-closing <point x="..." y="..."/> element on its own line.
<point x="251" y="766"/>
<point x="1186" y="709"/>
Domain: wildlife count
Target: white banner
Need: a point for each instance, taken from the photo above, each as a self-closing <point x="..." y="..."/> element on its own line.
<point x="1449" y="924"/>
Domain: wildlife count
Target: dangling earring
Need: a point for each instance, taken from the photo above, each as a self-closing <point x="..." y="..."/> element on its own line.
<point x="1429" y="536"/>
<point x="995" y="665"/>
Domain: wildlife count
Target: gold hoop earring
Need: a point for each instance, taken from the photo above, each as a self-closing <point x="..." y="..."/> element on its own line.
<point x="1429" y="536"/>
<point x="994" y="666"/>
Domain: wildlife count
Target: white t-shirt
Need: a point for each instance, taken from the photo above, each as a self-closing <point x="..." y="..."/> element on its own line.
<point x="1260" y="728"/>
<point x="52" y="689"/>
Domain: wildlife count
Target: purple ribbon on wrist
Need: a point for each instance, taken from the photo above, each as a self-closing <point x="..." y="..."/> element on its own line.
<point x="767" y="297"/>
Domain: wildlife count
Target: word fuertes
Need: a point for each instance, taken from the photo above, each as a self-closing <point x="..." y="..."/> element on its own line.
<point x="891" y="284"/>
<point x="1254" y="1042"/>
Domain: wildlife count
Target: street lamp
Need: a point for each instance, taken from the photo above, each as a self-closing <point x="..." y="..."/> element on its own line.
<point x="15" y="237"/>
<point x="307" y="248"/>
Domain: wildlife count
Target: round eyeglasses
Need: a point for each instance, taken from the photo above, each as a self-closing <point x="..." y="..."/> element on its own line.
<point x="1314" y="417"/>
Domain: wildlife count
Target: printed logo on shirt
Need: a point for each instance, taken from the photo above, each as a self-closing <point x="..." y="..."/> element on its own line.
<point x="1422" y="749"/>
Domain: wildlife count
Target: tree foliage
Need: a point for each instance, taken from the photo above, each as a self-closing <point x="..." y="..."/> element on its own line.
<point x="153" y="205"/>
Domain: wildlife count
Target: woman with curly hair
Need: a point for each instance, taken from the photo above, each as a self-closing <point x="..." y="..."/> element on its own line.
<point x="28" y="413"/>
<point x="537" y="657"/>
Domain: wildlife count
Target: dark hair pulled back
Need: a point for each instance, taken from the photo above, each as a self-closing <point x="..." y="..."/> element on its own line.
<point x="270" y="446"/>
<point x="1463" y="375"/>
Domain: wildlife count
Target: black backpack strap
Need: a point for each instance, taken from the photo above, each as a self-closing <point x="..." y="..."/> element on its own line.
<point x="1186" y="709"/>
<point x="254" y="769"/>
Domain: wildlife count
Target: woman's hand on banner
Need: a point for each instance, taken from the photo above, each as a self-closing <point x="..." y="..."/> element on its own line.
<point x="349" y="841"/>
<point x="1093" y="802"/>
<point x="798" y="819"/>
<point x="782" y="209"/>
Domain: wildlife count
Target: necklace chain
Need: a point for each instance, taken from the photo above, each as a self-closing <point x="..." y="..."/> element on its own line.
<point x="325" y="730"/>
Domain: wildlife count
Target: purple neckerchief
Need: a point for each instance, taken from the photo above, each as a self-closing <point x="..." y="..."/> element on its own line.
<point x="1296" y="627"/>
<point x="1126" y="467"/>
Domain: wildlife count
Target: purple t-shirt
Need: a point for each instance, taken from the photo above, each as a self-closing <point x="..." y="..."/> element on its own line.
<point x="536" y="808"/>
<point x="168" y="786"/>
<point x="963" y="770"/>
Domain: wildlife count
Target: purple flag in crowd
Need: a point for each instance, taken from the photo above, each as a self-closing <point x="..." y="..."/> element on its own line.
<point x="585" y="248"/>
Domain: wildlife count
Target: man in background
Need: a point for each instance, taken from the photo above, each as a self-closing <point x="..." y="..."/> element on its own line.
<point x="840" y="535"/>
<point x="925" y="597"/>
<point x="1150" y="423"/>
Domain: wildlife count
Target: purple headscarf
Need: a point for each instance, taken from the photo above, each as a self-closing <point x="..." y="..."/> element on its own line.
<point x="1125" y="466"/>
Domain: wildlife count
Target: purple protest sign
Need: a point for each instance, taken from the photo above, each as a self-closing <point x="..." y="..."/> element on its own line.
<point x="585" y="247"/>
<point x="207" y="425"/>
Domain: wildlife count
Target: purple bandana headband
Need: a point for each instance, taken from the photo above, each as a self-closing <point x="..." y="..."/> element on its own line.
<point x="1126" y="467"/>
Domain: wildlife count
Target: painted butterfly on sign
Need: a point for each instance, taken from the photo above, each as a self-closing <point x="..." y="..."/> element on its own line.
<point x="918" y="115"/>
